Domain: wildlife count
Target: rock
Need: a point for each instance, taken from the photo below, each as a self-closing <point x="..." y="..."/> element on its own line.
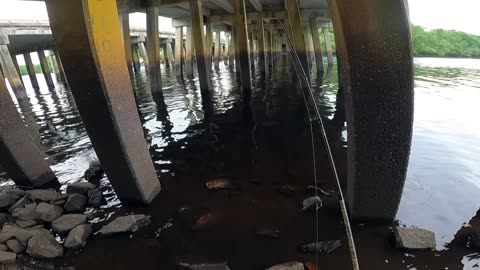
<point x="75" y="203"/>
<point x="205" y="222"/>
<point x="323" y="247"/>
<point x="205" y="266"/>
<point x="267" y="231"/>
<point x="44" y="195"/>
<point x="77" y="237"/>
<point x="163" y="228"/>
<point x="287" y="266"/>
<point x="95" y="197"/>
<point x="36" y="227"/>
<point x="475" y="240"/>
<point x="43" y="245"/>
<point x="19" y="204"/>
<point x="129" y="223"/>
<point x="414" y="238"/>
<point x="219" y="184"/>
<point x="27" y="213"/>
<point x="3" y="247"/>
<point x="317" y="190"/>
<point x="94" y="173"/>
<point x="7" y="199"/>
<point x="16" y="191"/>
<point x="67" y="222"/>
<point x="48" y="212"/>
<point x="7" y="257"/>
<point x="311" y="204"/>
<point x="80" y="188"/>
<point x="15" y="246"/>
<point x="10" y="231"/>
<point x="26" y="223"/>
<point x="4" y="217"/>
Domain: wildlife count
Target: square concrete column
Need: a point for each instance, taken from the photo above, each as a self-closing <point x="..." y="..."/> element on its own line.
<point x="189" y="52"/>
<point x="231" y="51"/>
<point x="269" y="54"/>
<point x="242" y="43"/>
<point x="19" y="154"/>
<point x="261" y="42"/>
<point x="179" y="52"/>
<point x="135" y="59"/>
<point x="153" y="52"/>
<point x="209" y="40"/>
<point x="217" y="50"/>
<point x="225" y="50"/>
<point x="328" y="46"/>
<point x="169" y="49"/>
<point x="199" y="40"/>
<point x="295" y="24"/>
<point x="47" y="71"/>
<point x="94" y="60"/>
<point x="58" y="61"/>
<point x="309" y="49"/>
<point x="316" y="45"/>
<point x="10" y="71"/>
<point x="31" y="70"/>
<point x="252" y="49"/>
<point x="127" y="44"/>
<point x="144" y="55"/>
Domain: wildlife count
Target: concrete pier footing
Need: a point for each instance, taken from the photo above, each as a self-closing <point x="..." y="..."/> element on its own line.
<point x="104" y="95"/>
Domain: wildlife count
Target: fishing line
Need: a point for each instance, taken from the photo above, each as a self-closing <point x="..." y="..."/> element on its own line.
<point x="302" y="75"/>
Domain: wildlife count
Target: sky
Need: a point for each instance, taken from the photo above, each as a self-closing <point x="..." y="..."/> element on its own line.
<point x="461" y="15"/>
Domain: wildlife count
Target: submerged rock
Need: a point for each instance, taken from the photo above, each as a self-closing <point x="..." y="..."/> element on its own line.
<point x="311" y="204"/>
<point x="287" y="189"/>
<point x="94" y="173"/>
<point x="15" y="246"/>
<point x="48" y="212"/>
<point x="75" y="203"/>
<point x="205" y="222"/>
<point x="219" y="184"/>
<point x="80" y="188"/>
<point x="314" y="189"/>
<point x="287" y="266"/>
<point x="123" y="224"/>
<point x="78" y="236"/>
<point x="7" y="257"/>
<point x="414" y="238"/>
<point x="204" y="266"/>
<point x="67" y="222"/>
<point x="95" y="197"/>
<point x="43" y="245"/>
<point x="323" y="247"/>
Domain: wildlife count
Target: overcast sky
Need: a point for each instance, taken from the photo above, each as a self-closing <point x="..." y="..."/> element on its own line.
<point x="462" y="15"/>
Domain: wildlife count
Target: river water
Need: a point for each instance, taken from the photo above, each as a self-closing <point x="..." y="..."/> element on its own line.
<point x="263" y="148"/>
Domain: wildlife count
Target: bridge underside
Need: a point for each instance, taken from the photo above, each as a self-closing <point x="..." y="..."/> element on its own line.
<point x="374" y="55"/>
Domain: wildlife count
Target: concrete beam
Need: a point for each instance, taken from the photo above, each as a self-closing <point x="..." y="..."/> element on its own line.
<point x="316" y="45"/>
<point x="376" y="70"/>
<point x="242" y="43"/>
<point x="256" y="4"/>
<point x="95" y="65"/>
<point x="31" y="70"/>
<point x="47" y="72"/>
<point x="179" y="53"/>
<point x="19" y="154"/>
<point x="224" y="4"/>
<point x="200" y="45"/>
<point x="153" y="53"/>
<point x="189" y="52"/>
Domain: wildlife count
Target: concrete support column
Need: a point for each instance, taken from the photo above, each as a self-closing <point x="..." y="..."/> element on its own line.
<point x="31" y="70"/>
<point x="209" y="42"/>
<point x="217" y="50"/>
<point x="242" y="43"/>
<point x="231" y="51"/>
<point x="127" y="44"/>
<point x="47" y="72"/>
<point x="269" y="50"/>
<point x="58" y="61"/>
<point x="200" y="47"/>
<point x="261" y="42"/>
<point x="225" y="49"/>
<point x="316" y="45"/>
<point x="169" y="49"/>
<point x="144" y="55"/>
<point x="237" y="54"/>
<point x="309" y="49"/>
<point x="95" y="65"/>
<point x="189" y="52"/>
<point x="136" y="61"/>
<point x="17" y="67"/>
<point x="153" y="52"/>
<point x="377" y="71"/>
<point x="252" y="49"/>
<point x="328" y="46"/>
<point x="179" y="52"/>
<point x="19" y="154"/>
<point x="298" y="38"/>
<point x="10" y="71"/>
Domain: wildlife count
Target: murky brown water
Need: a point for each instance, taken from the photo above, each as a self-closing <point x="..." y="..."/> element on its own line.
<point x="262" y="147"/>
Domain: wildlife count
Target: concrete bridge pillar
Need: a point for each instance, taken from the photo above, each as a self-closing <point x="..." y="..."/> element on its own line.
<point x="179" y="53"/>
<point x="238" y="70"/>
<point x="144" y="55"/>
<point x="217" y="50"/>
<point x="19" y="154"/>
<point x="209" y="42"/>
<point x="225" y="49"/>
<point x="376" y="68"/>
<point x="269" y="50"/>
<point x="153" y="53"/>
<point x="58" y="62"/>
<point x="127" y="44"/>
<point x="10" y="71"/>
<point x="95" y="65"/>
<point x="31" y="70"/>
<point x="307" y="45"/>
<point x="231" y="50"/>
<point x="47" y="72"/>
<point x="189" y="52"/>
<point x="316" y="46"/>
<point x="169" y="56"/>
<point x="17" y="67"/>
<point x="251" y="43"/>
<point x="135" y="59"/>
<point x="295" y="24"/>
<point x="242" y="43"/>
<point x="200" y="45"/>
<point x="261" y="42"/>
<point x="328" y="45"/>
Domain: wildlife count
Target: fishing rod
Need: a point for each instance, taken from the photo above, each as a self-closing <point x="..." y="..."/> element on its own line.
<point x="302" y="75"/>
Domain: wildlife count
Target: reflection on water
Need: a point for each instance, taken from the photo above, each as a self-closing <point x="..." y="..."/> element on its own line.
<point x="194" y="137"/>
